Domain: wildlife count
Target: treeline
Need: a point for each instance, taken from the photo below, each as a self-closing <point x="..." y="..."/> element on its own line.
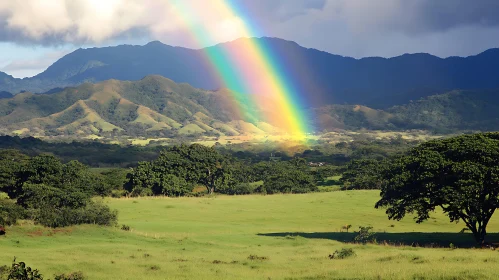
<point x="91" y="153"/>
<point x="51" y="193"/>
<point x="96" y="154"/>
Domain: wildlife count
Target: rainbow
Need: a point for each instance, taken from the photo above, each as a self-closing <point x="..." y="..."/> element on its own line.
<point x="251" y="69"/>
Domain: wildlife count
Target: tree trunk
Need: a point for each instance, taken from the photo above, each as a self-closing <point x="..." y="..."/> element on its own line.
<point x="480" y="236"/>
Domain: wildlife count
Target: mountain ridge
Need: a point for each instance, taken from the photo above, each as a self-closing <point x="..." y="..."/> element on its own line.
<point x="320" y="76"/>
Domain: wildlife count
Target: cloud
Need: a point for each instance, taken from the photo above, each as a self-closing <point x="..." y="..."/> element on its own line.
<point x="73" y="21"/>
<point x="415" y="16"/>
<point x="21" y="68"/>
<point x="349" y="27"/>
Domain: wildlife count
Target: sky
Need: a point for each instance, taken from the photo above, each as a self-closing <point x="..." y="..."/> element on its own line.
<point x="35" y="33"/>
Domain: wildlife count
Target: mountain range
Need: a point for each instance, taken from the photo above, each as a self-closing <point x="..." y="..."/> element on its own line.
<point x="158" y="107"/>
<point x="323" y="77"/>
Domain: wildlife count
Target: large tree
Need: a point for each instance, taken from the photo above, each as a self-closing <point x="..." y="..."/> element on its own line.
<point x="194" y="164"/>
<point x="459" y="175"/>
<point x="289" y="177"/>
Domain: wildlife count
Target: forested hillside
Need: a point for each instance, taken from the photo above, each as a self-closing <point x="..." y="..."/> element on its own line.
<point x="452" y="111"/>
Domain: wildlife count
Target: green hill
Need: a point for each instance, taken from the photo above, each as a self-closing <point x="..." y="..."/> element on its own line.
<point x="455" y="110"/>
<point x="158" y="107"/>
<point x="153" y="106"/>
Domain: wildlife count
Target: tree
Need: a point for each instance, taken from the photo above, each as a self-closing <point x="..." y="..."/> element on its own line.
<point x="10" y="163"/>
<point x="286" y="177"/>
<point x="459" y="175"/>
<point x="362" y="174"/>
<point x="51" y="193"/>
<point x="178" y="168"/>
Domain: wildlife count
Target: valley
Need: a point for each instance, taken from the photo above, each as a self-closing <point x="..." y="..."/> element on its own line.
<point x="185" y="139"/>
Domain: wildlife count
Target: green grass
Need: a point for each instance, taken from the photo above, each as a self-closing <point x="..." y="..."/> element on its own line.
<point x="289" y="237"/>
<point x="191" y="129"/>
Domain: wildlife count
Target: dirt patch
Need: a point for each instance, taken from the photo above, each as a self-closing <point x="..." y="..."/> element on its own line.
<point x="49" y="232"/>
<point x="36" y="233"/>
<point x="60" y="231"/>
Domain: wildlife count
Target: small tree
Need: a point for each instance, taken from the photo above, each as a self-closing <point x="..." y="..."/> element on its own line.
<point x="364" y="235"/>
<point x="459" y="175"/>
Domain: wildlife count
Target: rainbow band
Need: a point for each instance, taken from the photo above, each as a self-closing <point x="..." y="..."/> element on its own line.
<point x="251" y="68"/>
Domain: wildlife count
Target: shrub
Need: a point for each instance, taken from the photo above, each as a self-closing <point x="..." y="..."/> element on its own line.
<point x="118" y="193"/>
<point x="72" y="276"/>
<point x="9" y="212"/>
<point x="364" y="234"/>
<point x="154" y="267"/>
<point x="98" y="213"/>
<point x="125" y="228"/>
<point x="342" y="254"/>
<point x="20" y="271"/>
<point x="238" y="189"/>
<point x="93" y="213"/>
<point x="4" y="270"/>
<point x="256" y="258"/>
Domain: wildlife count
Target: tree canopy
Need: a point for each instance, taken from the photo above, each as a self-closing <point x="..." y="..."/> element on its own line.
<point x="459" y="175"/>
<point x="51" y="193"/>
<point x="178" y="168"/>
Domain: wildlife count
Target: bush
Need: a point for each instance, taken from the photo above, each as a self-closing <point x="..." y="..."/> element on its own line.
<point x="72" y="276"/>
<point x="342" y="254"/>
<point x="125" y="228"/>
<point x="93" y="213"/>
<point x="9" y="212"/>
<point x="4" y="271"/>
<point x="118" y="193"/>
<point x="238" y="189"/>
<point x="20" y="271"/>
<point x="364" y="235"/>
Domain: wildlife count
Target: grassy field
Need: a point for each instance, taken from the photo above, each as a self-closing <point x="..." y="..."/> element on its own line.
<point x="253" y="237"/>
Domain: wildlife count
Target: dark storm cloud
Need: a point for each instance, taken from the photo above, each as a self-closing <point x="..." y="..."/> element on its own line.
<point x="442" y="15"/>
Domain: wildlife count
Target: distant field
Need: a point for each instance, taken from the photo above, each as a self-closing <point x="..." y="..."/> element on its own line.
<point x="252" y="237"/>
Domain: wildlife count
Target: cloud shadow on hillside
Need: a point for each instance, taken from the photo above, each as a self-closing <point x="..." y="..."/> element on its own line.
<point x="417" y="239"/>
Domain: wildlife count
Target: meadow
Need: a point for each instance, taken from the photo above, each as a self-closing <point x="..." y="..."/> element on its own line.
<point x="254" y="237"/>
